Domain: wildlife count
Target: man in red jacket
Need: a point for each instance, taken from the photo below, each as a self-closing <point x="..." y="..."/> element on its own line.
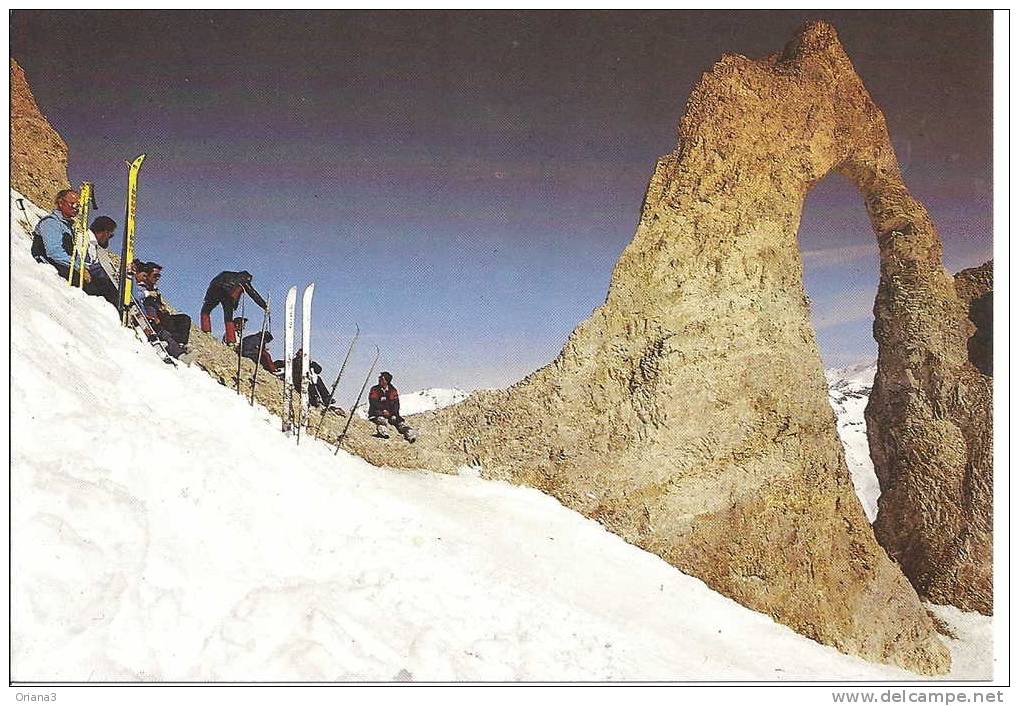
<point x="384" y="409"/>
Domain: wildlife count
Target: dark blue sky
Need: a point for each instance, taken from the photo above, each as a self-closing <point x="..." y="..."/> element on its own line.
<point x="461" y="184"/>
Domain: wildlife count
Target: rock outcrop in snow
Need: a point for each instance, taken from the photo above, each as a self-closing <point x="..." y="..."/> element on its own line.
<point x="930" y="413"/>
<point x="38" y="154"/>
<point x="689" y="413"/>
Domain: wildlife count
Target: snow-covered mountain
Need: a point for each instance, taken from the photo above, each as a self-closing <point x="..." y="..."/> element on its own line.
<point x="848" y="392"/>
<point x="163" y="529"/>
<point x="424" y="400"/>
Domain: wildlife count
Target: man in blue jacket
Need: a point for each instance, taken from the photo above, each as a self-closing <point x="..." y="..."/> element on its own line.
<point x="53" y="237"/>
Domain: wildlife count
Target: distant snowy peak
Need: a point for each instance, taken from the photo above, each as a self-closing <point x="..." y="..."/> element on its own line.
<point x="425" y="400"/>
<point x="431" y="399"/>
<point x="854" y="381"/>
<point x="848" y="392"/>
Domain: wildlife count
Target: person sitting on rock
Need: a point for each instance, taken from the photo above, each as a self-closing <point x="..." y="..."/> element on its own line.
<point x="53" y="235"/>
<point x="226" y="290"/>
<point x="173" y="329"/>
<point x="103" y="279"/>
<point x="250" y="346"/>
<point x="318" y="393"/>
<point x="239" y="326"/>
<point x="384" y="409"/>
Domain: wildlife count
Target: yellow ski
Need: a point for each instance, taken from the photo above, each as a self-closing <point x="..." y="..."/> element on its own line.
<point x="85" y="201"/>
<point x="127" y="253"/>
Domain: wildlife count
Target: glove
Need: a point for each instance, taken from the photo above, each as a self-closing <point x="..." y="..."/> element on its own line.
<point x="87" y="276"/>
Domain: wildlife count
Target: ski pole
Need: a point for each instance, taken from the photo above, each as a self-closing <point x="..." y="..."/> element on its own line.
<point x="24" y="212"/>
<point x="261" y="347"/>
<point x="142" y="322"/>
<point x="240" y="339"/>
<point x="350" y="416"/>
<point x="299" y="386"/>
<point x="336" y="383"/>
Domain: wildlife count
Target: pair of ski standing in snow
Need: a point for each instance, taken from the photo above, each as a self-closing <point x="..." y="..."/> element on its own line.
<point x="383" y="399"/>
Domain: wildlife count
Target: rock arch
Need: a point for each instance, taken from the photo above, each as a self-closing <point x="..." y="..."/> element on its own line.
<point x="688" y="414"/>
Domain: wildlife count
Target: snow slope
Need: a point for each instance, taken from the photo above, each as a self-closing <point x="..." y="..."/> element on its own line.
<point x="848" y="392"/>
<point x="162" y="529"/>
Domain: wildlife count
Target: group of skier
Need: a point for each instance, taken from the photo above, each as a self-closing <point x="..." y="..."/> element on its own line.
<point x="54" y="242"/>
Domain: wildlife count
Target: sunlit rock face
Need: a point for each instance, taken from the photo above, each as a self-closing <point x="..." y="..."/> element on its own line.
<point x="688" y="414"/>
<point x="930" y="418"/>
<point x="38" y="154"/>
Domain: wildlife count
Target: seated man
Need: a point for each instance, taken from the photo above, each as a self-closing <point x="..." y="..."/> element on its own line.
<point x="250" y="346"/>
<point x="53" y="236"/>
<point x="384" y="409"/>
<point x="318" y="393"/>
<point x="102" y="279"/>
<point x="173" y="329"/>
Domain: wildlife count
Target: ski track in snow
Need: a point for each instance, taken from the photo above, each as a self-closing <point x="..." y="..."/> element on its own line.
<point x="163" y="529"/>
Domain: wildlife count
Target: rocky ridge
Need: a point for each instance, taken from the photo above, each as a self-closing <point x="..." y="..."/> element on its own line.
<point x="38" y="153"/>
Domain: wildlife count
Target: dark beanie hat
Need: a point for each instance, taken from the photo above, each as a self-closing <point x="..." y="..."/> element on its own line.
<point x="104" y="224"/>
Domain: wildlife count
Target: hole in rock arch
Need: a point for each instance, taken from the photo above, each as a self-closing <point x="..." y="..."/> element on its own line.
<point x="841" y="270"/>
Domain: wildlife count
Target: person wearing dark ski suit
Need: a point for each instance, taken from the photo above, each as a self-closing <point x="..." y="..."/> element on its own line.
<point x="172" y="329"/>
<point x="318" y="393"/>
<point x="226" y="290"/>
<point x="384" y="409"/>
<point x="249" y="349"/>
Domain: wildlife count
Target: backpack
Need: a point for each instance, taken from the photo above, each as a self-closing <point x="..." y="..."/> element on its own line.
<point x="38" y="249"/>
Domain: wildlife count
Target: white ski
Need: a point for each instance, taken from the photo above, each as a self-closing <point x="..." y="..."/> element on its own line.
<point x="305" y="381"/>
<point x="288" y="360"/>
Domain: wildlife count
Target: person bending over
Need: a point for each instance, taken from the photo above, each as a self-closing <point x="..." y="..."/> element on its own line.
<point x="226" y="290"/>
